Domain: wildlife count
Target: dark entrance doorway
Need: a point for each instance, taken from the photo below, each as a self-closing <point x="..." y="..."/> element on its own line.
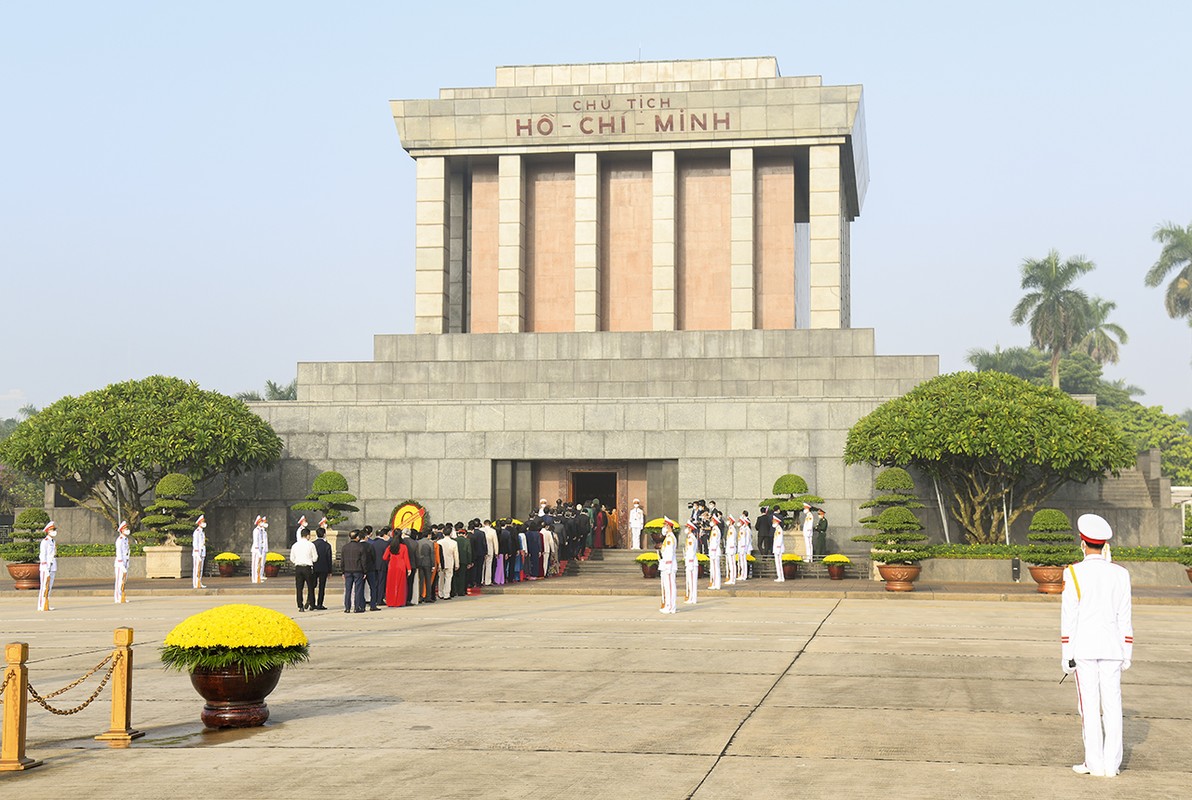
<point x="602" y="486"/>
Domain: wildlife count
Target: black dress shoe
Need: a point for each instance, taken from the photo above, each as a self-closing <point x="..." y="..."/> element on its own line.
<point x="347" y="611"/>
<point x="301" y="608"/>
<point x="358" y="611"/>
<point x="320" y="608"/>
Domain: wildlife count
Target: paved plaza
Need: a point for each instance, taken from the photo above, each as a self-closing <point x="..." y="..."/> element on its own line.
<point x="571" y="696"/>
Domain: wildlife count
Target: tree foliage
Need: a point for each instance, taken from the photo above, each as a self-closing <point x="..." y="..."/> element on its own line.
<point x="125" y="437"/>
<point x="1147" y="426"/>
<point x="273" y="391"/>
<point x="1101" y="340"/>
<point x="899" y="491"/>
<point x="1056" y="312"/>
<point x="171" y="517"/>
<point x="1079" y="373"/>
<point x="790" y="493"/>
<point x="1176" y="258"/>
<point x="329" y="496"/>
<point x="998" y="445"/>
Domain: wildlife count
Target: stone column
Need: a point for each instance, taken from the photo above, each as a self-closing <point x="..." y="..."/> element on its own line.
<point x="430" y="246"/>
<point x="511" y="248"/>
<point x="828" y="239"/>
<point x="457" y="290"/>
<point x="665" y="251"/>
<point x="741" y="276"/>
<point x="587" y="242"/>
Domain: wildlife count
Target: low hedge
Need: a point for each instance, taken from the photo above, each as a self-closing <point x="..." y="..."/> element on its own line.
<point x="1182" y="555"/>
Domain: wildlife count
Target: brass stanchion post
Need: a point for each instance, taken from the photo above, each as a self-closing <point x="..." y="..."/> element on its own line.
<point x="121" y="732"/>
<point x="16" y="709"/>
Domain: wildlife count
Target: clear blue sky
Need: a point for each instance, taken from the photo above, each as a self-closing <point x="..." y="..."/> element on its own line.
<point x="217" y="191"/>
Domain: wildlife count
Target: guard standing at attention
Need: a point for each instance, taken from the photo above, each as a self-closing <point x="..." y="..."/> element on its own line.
<point x="260" y="548"/>
<point x="668" y="567"/>
<point x="198" y="552"/>
<point x="1097" y="643"/>
<point x="123" y="559"/>
<point x="47" y="566"/>
<point x="691" y="564"/>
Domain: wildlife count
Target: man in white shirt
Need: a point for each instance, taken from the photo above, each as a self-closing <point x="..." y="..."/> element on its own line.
<point x="123" y="559"/>
<point x="303" y="555"/>
<point x="450" y="563"/>
<point x="47" y="566"/>
<point x="637" y="521"/>
<point x="260" y="548"/>
<point x="1097" y="643"/>
<point x="198" y="552"/>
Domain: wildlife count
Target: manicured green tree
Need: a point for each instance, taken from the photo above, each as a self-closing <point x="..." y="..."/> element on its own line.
<point x="26" y="530"/>
<point x="1056" y="312"/>
<point x="1146" y="427"/>
<point x="897" y="488"/>
<point x="790" y="493"/>
<point x="1051" y="541"/>
<point x="170" y="519"/>
<point x="998" y="446"/>
<point x="328" y="497"/>
<point x="120" y="440"/>
<point x="899" y="539"/>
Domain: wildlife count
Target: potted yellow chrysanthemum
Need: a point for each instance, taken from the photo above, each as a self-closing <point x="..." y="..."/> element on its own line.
<point x="790" y="565"/>
<point x="226" y="563"/>
<point x="649" y="564"/>
<point x="234" y="654"/>
<point x="273" y="562"/>
<point x="836" y="564"/>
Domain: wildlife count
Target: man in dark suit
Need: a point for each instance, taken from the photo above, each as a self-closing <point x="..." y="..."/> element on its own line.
<point x="424" y="562"/>
<point x="764" y="528"/>
<point x="322" y="565"/>
<point x="380" y="571"/>
<point x="354" y="557"/>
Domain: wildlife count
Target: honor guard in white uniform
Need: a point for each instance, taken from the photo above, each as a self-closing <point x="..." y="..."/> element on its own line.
<point x="47" y="566"/>
<point x="730" y="552"/>
<point x="779" y="547"/>
<point x="744" y="546"/>
<point x="198" y="552"/>
<point x="123" y="558"/>
<point x="808" y="531"/>
<point x="691" y="564"/>
<point x="1097" y="643"/>
<point x="714" y="559"/>
<point x="668" y="567"/>
<point x="260" y="548"/>
<point x="637" y="521"/>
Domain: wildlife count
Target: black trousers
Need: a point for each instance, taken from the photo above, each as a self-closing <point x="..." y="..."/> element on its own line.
<point x="304" y="576"/>
<point x="373" y="578"/>
<point x="320" y="586"/>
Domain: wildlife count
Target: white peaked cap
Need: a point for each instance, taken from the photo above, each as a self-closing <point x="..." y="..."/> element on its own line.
<point x="1094" y="529"/>
<point x="123" y="526"/>
<point x="49" y="527"/>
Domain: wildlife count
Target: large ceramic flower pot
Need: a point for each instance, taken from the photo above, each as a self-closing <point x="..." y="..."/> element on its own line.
<point x="226" y="568"/>
<point x="1190" y="573"/>
<point x="835" y="571"/>
<point x="272" y="568"/>
<point x="25" y="576"/>
<point x="703" y="569"/>
<point x="1049" y="580"/>
<point x="650" y="569"/>
<point x="899" y="577"/>
<point x="234" y="701"/>
<point x="790" y="569"/>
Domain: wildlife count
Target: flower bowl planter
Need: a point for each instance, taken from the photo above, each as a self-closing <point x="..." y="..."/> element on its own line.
<point x="271" y="568"/>
<point x="790" y="570"/>
<point x="703" y="569"/>
<point x="28" y="576"/>
<point x="227" y="568"/>
<point x="835" y="571"/>
<point x="1049" y="580"/>
<point x="899" y="577"/>
<point x="650" y="570"/>
<point x="234" y="701"/>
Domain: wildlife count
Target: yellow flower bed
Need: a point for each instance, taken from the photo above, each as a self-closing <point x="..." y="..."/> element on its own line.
<point x="272" y="557"/>
<point x="237" y="625"/>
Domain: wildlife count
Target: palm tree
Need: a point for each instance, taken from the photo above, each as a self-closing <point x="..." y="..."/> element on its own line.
<point x="1057" y="312"/>
<point x="1176" y="255"/>
<point x="1098" y="342"/>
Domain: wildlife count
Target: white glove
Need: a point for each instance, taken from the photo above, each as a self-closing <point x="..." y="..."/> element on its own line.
<point x="1068" y="666"/>
<point x="1125" y="665"/>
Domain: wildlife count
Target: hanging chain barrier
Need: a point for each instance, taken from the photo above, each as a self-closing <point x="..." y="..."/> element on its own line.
<point x="41" y="700"/>
<point x="4" y="685"/>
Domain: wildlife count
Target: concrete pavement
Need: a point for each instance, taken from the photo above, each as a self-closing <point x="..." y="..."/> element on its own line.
<point x="545" y="695"/>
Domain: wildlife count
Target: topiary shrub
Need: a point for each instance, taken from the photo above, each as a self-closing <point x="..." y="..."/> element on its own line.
<point x="898" y="540"/>
<point x="29" y="524"/>
<point x="898" y="489"/>
<point x="329" y="497"/>
<point x="170" y="520"/>
<point x="796" y="492"/>
<point x="1051" y="540"/>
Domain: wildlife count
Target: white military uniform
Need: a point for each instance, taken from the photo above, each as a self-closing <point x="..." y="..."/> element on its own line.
<point x="637" y="521"/>
<point x="198" y="552"/>
<point x="668" y="568"/>
<point x="47" y="569"/>
<point x="123" y="558"/>
<point x="1097" y="633"/>
<point x="808" y="533"/>
<point x="260" y="549"/>
<point x="714" y="558"/>
<point x="744" y="548"/>
<point x="730" y="552"/>
<point x="779" y="547"/>
<point x="691" y="565"/>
